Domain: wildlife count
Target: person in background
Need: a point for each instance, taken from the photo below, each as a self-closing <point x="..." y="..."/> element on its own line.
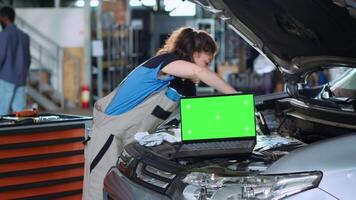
<point x="264" y="67"/>
<point x="147" y="96"/>
<point x="15" y="61"/>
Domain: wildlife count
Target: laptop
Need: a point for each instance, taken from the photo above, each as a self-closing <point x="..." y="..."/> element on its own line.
<point x="221" y="125"/>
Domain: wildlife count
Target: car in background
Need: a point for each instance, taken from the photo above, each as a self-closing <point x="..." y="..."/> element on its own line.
<point x="306" y="135"/>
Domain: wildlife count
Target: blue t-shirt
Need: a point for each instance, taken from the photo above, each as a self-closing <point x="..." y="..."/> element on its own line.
<point x="141" y="83"/>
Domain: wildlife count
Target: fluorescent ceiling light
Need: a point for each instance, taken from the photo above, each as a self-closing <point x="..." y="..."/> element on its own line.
<point x="79" y="3"/>
<point x="135" y="3"/>
<point x="169" y="5"/>
<point x="94" y="3"/>
<point x="149" y="2"/>
<point x="186" y="8"/>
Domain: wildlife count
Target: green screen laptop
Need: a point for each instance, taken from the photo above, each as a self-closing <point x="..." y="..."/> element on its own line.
<point x="217" y="125"/>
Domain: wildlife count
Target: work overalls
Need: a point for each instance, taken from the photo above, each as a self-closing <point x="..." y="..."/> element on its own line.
<point x="110" y="133"/>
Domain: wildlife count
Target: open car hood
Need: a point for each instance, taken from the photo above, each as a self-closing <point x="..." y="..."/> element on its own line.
<point x="297" y="35"/>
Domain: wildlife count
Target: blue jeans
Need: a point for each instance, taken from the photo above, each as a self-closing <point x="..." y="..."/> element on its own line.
<point x="12" y="97"/>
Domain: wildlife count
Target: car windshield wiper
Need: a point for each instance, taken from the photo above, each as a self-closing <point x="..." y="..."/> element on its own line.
<point x="343" y="100"/>
<point x="344" y="103"/>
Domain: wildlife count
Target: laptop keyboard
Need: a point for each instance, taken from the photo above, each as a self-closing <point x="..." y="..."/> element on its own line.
<point x="216" y="145"/>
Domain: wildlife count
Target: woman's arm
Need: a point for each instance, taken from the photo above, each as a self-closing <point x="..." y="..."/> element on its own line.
<point x="194" y="72"/>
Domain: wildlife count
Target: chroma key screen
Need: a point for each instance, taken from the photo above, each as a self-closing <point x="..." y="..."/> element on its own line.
<point x="218" y="117"/>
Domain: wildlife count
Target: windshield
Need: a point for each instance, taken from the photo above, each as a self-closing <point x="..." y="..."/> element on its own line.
<point x="345" y="86"/>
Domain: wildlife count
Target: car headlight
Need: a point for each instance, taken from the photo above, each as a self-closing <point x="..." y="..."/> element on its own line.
<point x="145" y="174"/>
<point x="149" y="179"/>
<point x="153" y="177"/>
<point x="124" y="161"/>
<point x="210" y="186"/>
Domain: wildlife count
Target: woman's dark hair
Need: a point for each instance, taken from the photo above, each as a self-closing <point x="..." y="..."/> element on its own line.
<point x="8" y="12"/>
<point x="186" y="41"/>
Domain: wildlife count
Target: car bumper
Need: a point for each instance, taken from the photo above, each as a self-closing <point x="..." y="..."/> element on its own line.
<point x="117" y="186"/>
<point x="312" y="194"/>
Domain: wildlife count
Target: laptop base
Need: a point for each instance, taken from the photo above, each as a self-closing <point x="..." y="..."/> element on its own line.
<point x="246" y="147"/>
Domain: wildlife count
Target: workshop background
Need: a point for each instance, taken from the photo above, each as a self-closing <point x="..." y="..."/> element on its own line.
<point x="82" y="49"/>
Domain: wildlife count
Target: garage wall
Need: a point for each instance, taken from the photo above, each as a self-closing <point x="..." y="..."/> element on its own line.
<point x="63" y="25"/>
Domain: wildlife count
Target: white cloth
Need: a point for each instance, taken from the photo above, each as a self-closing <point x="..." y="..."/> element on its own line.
<point x="149" y="140"/>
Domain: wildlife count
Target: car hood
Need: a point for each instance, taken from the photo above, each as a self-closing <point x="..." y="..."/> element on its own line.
<point x="327" y="155"/>
<point x="295" y="35"/>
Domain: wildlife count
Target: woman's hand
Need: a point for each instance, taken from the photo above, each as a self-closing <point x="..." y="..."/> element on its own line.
<point x="184" y="69"/>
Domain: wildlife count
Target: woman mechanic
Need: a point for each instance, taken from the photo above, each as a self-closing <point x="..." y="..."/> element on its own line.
<point x="145" y="98"/>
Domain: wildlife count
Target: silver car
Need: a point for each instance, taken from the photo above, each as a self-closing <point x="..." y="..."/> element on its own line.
<point x="306" y="142"/>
